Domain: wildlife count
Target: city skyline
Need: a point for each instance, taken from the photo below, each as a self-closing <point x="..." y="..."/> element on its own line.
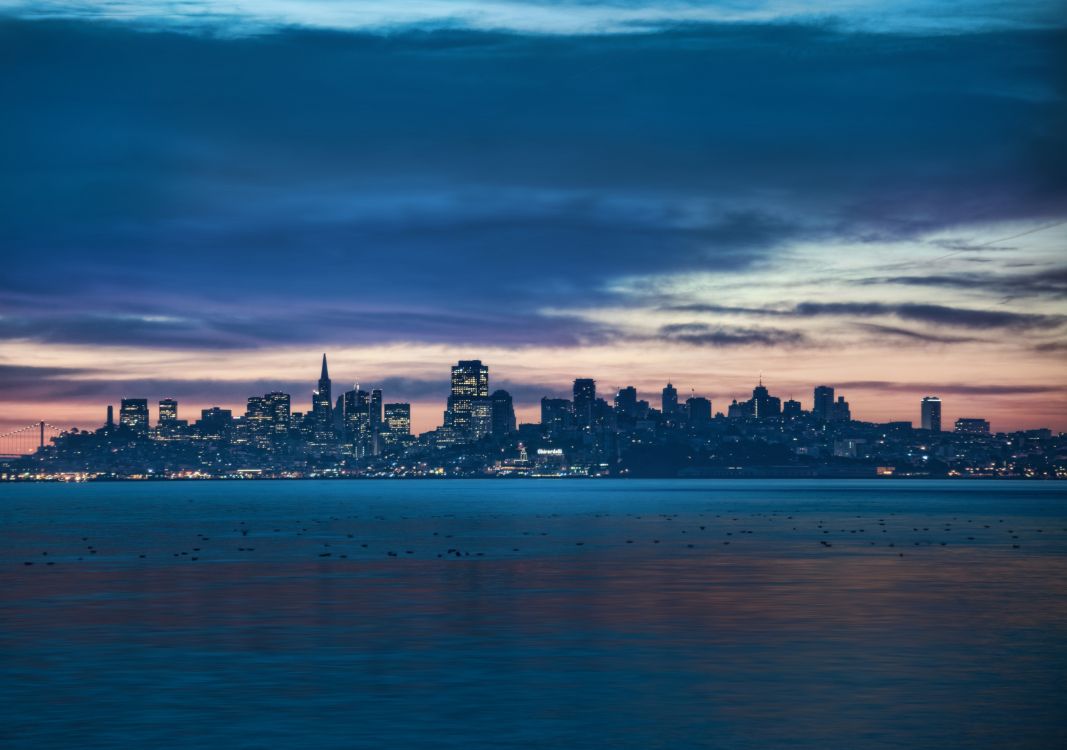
<point x="425" y="415"/>
<point x="470" y="385"/>
<point x="364" y="432"/>
<point x="859" y="194"/>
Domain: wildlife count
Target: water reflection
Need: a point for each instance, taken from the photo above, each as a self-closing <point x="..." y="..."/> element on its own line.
<point x="596" y="613"/>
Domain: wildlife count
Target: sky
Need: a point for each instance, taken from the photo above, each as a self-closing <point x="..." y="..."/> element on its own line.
<point x="199" y="198"/>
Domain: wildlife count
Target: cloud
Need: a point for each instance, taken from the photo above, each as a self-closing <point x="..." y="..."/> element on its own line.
<point x="939" y="315"/>
<point x="319" y="167"/>
<point x="958" y="317"/>
<point x="963" y="389"/>
<point x="700" y="334"/>
<point x="233" y="329"/>
<point x="250" y="184"/>
<point x="1049" y="282"/>
<point x="250" y="17"/>
<point x="908" y="334"/>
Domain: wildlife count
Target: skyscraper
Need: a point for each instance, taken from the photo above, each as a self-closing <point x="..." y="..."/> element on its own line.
<point x="374" y="406"/>
<point x="133" y="414"/>
<point x="972" y="426"/>
<point x="256" y="417"/>
<point x="698" y="411"/>
<point x="791" y="409"/>
<point x="168" y="412"/>
<point x="357" y="421"/>
<point x="503" y="414"/>
<point x="278" y="407"/>
<point x="556" y="415"/>
<point x="481" y="417"/>
<point x="470" y="381"/>
<point x="764" y="405"/>
<point x="669" y="400"/>
<point x="840" y="411"/>
<point x="626" y="401"/>
<point x="823" y="405"/>
<point x="930" y="410"/>
<point x="398" y="419"/>
<point x="584" y="399"/>
<point x="215" y="422"/>
<point x="322" y="406"/>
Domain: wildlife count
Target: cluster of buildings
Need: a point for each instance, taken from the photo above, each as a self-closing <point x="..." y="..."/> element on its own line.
<point x="358" y="433"/>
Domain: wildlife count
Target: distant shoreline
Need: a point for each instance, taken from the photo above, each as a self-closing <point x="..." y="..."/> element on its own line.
<point x="740" y="477"/>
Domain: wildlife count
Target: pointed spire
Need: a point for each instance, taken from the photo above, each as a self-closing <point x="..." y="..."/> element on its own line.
<point x="325" y="373"/>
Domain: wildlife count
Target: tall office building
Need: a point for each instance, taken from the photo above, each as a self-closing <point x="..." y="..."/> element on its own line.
<point x="503" y="422"/>
<point x="972" y="426"/>
<point x="256" y="414"/>
<point x="481" y="417"/>
<point x="698" y="411"/>
<point x="764" y="405"/>
<point x="322" y="406"/>
<point x="823" y="405"/>
<point x="215" y="422"/>
<point x="556" y="415"/>
<point x="669" y="400"/>
<point x="356" y="410"/>
<point x="470" y="381"/>
<point x="133" y="414"/>
<point x="840" y="411"/>
<point x="398" y="419"/>
<point x="930" y="410"/>
<point x="279" y="407"/>
<point x="584" y="393"/>
<point x="168" y="412"/>
<point x="626" y="401"/>
<point x="374" y="406"/>
<point x="791" y="409"/>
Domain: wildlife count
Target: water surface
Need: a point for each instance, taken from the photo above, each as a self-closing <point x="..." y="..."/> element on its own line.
<point x="488" y="614"/>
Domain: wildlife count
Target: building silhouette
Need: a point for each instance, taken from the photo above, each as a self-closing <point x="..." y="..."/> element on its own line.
<point x="584" y="395"/>
<point x="556" y="415"/>
<point x="822" y="406"/>
<point x="669" y="400"/>
<point x="698" y="411"/>
<point x="322" y="415"/>
<point x="503" y="418"/>
<point x="930" y="412"/>
<point x="626" y="402"/>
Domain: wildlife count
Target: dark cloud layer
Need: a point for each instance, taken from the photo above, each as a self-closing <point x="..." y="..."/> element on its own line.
<point x="1050" y="283"/>
<point x="943" y="315"/>
<point x="961" y="389"/>
<point x="403" y="175"/>
<point x="700" y="334"/>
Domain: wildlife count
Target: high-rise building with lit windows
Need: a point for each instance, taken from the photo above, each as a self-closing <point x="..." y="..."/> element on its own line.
<point x="470" y="381"/>
<point x="398" y="419"/>
<point x="168" y="411"/>
<point x="972" y="426"/>
<point x="133" y="415"/>
<point x="322" y="406"/>
<point x="278" y="406"/>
